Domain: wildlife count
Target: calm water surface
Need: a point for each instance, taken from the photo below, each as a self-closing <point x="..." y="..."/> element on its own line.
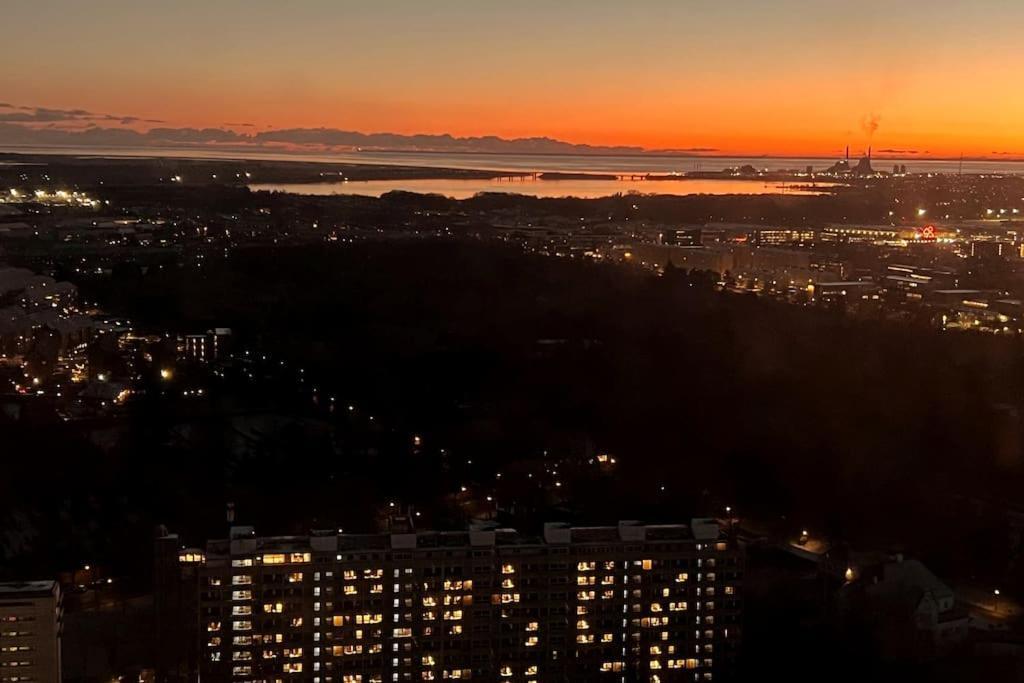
<point x="463" y="189"/>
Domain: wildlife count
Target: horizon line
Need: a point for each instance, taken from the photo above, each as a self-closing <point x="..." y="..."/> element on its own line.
<point x="155" y="150"/>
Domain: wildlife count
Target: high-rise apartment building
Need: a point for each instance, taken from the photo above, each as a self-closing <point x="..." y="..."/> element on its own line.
<point x="627" y="603"/>
<point x="31" y="619"/>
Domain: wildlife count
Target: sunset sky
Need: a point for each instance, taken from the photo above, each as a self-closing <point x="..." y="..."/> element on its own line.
<point x="791" y="77"/>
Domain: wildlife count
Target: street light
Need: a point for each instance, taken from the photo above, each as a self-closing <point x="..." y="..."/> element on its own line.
<point x="996" y="594"/>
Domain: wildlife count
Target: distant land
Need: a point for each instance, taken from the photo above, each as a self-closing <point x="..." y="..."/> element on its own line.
<point x="18" y="134"/>
<point x="292" y="139"/>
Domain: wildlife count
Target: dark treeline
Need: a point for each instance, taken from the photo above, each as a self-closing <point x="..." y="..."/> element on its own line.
<point x="855" y="428"/>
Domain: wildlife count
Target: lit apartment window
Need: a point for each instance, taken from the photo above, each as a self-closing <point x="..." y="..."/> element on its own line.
<point x="213" y="626"/>
<point x="295" y="577"/>
<point x="242" y="562"/>
<point x="369" y="618"/>
<point x="273" y="558"/>
<point x="508" y="569"/>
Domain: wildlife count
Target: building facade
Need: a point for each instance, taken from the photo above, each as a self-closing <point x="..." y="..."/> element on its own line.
<point x="31" y="621"/>
<point x="628" y="603"/>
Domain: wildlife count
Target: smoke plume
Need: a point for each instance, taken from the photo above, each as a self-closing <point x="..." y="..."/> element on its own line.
<point x="869" y="124"/>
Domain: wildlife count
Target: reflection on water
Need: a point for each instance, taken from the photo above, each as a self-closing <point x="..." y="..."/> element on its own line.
<point x="463" y="189"/>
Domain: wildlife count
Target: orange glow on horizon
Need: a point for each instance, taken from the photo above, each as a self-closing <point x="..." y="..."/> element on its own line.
<point x="791" y="78"/>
